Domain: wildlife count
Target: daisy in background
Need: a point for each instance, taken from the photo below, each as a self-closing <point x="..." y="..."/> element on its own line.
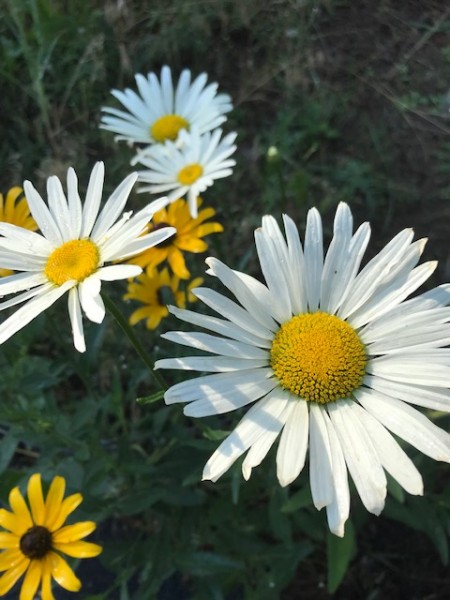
<point x="188" y="167"/>
<point x="17" y="212"/>
<point x="70" y="253"/>
<point x="187" y="238"/>
<point x="329" y="358"/>
<point x="155" y="290"/>
<point x="159" y="112"/>
<point x="35" y="538"/>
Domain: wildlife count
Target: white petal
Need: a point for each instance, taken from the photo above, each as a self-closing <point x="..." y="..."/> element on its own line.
<point x="76" y="320"/>
<point x="42" y="215"/>
<point x="246" y="290"/>
<point x="113" y="206"/>
<point x="320" y="473"/>
<point x="211" y="343"/>
<point x="408" y="423"/>
<point x="218" y="364"/>
<point x="116" y="272"/>
<point x="20" y="281"/>
<point x="426" y="396"/>
<point x="90" y="299"/>
<point x="93" y="198"/>
<point x="360" y="455"/>
<point x="31" y="310"/>
<point x="313" y="254"/>
<point x="339" y="509"/>
<point x="262" y="418"/>
<point x="392" y="457"/>
<point x="293" y="444"/>
<point x="220" y="326"/>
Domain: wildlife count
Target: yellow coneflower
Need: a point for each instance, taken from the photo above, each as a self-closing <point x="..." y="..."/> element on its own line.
<point x="35" y="537"/>
<point x="186" y="239"/>
<point x="155" y="290"/>
<point x="16" y="212"/>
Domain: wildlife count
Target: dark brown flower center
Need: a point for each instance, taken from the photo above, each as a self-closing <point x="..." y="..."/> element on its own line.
<point x="169" y="240"/>
<point x="36" y="542"/>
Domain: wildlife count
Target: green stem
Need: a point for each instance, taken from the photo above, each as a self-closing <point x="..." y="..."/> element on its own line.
<point x="123" y="324"/>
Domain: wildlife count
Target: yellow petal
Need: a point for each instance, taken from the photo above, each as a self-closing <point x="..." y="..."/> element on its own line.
<point x="208" y="228"/>
<point x="10" y="558"/>
<point x="10" y="522"/>
<point x="68" y="505"/>
<point x="63" y="574"/>
<point x="79" y="549"/>
<point x="20" y="509"/>
<point x="8" y="579"/>
<point x="36" y="499"/>
<point x="46" y="590"/>
<point x="32" y="580"/>
<point x="178" y="265"/>
<point x="192" y="244"/>
<point x="53" y="501"/>
<point x="73" y="533"/>
<point x="8" y="540"/>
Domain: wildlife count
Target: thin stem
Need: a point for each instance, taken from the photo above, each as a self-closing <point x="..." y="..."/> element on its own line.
<point x="123" y="324"/>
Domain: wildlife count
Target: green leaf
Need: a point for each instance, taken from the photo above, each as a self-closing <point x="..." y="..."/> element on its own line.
<point x="340" y="552"/>
<point x="215" y="435"/>
<point x="159" y="395"/>
<point x="298" y="500"/>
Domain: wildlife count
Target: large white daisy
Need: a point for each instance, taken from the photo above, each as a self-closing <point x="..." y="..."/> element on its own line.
<point x="186" y="168"/>
<point x="70" y="253"/>
<point x="159" y="111"/>
<point x="331" y="359"/>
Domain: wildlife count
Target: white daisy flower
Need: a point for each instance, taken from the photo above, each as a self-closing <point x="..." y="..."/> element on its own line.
<point x="159" y="112"/>
<point x="70" y="254"/>
<point x="331" y="359"/>
<point x="187" y="167"/>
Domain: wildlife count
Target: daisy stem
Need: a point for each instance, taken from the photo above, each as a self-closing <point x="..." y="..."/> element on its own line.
<point x="123" y="324"/>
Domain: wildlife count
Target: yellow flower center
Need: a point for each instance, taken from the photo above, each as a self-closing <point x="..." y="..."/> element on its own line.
<point x="190" y="173"/>
<point x="318" y="357"/>
<point x="36" y="542"/>
<point x="76" y="259"/>
<point x="167" y="128"/>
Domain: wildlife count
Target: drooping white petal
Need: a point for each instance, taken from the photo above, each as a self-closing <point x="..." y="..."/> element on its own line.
<point x="32" y="309"/>
<point x="392" y="457"/>
<point x="90" y="299"/>
<point x="339" y="508"/>
<point x="360" y="455"/>
<point x="320" y="474"/>
<point x="76" y="320"/>
<point x="293" y="444"/>
<point x="262" y="418"/>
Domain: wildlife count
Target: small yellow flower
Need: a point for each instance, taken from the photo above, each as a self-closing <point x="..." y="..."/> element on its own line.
<point x="187" y="238"/>
<point x="17" y="213"/>
<point x="35" y="537"/>
<point x="156" y="289"/>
